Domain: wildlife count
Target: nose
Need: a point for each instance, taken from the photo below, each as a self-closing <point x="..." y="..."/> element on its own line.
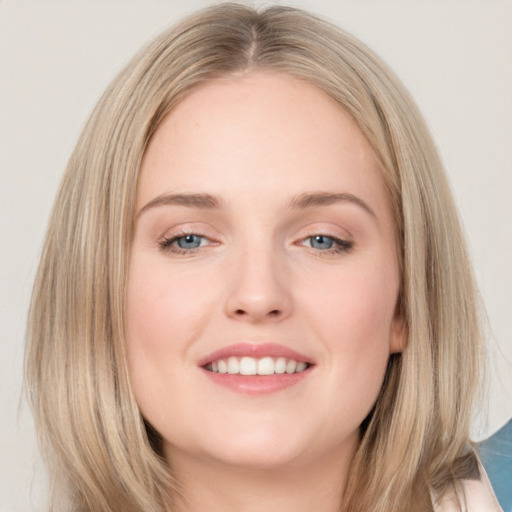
<point x="259" y="291"/>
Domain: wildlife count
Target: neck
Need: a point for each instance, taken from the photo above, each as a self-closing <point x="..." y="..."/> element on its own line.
<point x="222" y="488"/>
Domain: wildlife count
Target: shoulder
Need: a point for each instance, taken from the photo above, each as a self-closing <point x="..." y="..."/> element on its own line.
<point x="476" y="495"/>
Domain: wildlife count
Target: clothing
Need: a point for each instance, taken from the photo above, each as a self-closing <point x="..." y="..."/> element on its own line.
<point x="479" y="497"/>
<point x="496" y="455"/>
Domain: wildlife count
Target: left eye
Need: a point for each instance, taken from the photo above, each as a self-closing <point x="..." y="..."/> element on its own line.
<point x="327" y="244"/>
<point x="321" y="242"/>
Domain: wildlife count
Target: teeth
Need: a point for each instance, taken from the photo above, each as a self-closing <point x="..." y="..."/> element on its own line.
<point x="252" y="366"/>
<point x="291" y="366"/>
<point x="233" y="365"/>
<point x="248" y="366"/>
<point x="223" y="367"/>
<point x="280" y="365"/>
<point x="266" y="366"/>
<point x="300" y="367"/>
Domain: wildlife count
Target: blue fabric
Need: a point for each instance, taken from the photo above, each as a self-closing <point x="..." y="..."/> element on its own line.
<point x="496" y="455"/>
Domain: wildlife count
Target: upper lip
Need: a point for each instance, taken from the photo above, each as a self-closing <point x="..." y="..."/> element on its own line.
<point x="257" y="351"/>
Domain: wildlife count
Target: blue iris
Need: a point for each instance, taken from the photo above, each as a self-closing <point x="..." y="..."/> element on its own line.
<point x="321" y="242"/>
<point x="189" y="241"/>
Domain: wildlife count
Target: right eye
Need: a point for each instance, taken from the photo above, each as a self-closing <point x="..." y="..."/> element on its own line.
<point x="183" y="244"/>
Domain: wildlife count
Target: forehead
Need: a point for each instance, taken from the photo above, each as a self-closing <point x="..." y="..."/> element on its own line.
<point x="260" y="129"/>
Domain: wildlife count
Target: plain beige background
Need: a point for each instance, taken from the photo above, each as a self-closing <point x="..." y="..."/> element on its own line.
<point x="56" y="57"/>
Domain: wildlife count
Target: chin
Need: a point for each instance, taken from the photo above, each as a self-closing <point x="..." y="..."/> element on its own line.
<point x="261" y="455"/>
<point x="255" y="448"/>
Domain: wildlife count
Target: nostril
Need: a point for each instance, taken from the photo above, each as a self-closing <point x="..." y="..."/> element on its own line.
<point x="242" y="312"/>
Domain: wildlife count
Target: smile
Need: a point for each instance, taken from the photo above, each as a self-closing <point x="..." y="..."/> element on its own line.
<point x="256" y="366"/>
<point x="256" y="369"/>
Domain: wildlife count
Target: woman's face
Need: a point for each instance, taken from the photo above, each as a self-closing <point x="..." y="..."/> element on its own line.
<point x="264" y="244"/>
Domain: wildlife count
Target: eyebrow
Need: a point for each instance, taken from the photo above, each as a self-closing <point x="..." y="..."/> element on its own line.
<point x="326" y="199"/>
<point x="210" y="202"/>
<point x="202" y="201"/>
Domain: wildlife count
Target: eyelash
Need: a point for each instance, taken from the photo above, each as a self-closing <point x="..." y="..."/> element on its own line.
<point x="166" y="244"/>
<point x="340" y="245"/>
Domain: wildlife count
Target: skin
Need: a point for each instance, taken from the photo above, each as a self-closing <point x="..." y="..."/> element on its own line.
<point x="255" y="142"/>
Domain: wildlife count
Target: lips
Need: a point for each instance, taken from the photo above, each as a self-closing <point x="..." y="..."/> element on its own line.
<point x="256" y="368"/>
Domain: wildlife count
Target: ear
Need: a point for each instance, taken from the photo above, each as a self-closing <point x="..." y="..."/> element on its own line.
<point x="398" y="334"/>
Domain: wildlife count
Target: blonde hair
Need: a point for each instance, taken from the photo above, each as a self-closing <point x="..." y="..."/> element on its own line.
<point x="415" y="442"/>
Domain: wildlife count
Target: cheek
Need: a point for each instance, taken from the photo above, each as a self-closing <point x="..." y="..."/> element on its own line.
<point x="165" y="312"/>
<point x="353" y="317"/>
<point x="164" y="309"/>
<point x="351" y="313"/>
<point x="355" y="309"/>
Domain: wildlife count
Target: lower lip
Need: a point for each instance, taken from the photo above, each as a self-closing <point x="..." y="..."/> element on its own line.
<point x="257" y="384"/>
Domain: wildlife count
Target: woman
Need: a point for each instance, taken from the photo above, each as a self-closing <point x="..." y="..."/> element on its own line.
<point x="254" y="290"/>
